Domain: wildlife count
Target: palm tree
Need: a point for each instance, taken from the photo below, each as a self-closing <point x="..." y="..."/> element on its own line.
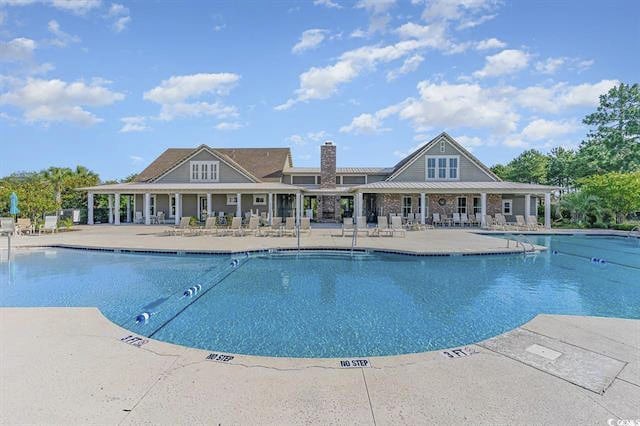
<point x="56" y="176"/>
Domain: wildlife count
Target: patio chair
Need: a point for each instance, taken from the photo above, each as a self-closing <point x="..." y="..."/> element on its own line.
<point x="274" y="229"/>
<point x="500" y="222"/>
<point x="160" y="217"/>
<point x="533" y="223"/>
<point x="252" y="226"/>
<point x="236" y="227"/>
<point x="382" y="228"/>
<point x="464" y="219"/>
<point x="361" y="221"/>
<point x="456" y="219"/>
<point x="50" y="224"/>
<point x="138" y="218"/>
<point x="473" y="220"/>
<point x="289" y="227"/>
<point x="489" y="221"/>
<point x="7" y="226"/>
<point x="347" y="225"/>
<point x="520" y="222"/>
<point x="183" y="227"/>
<point x="305" y="225"/>
<point x="210" y="226"/>
<point x="437" y="220"/>
<point x="24" y="226"/>
<point x="396" y="226"/>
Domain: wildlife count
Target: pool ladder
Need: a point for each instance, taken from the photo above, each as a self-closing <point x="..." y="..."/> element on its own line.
<point x="523" y="243"/>
<point x="635" y="229"/>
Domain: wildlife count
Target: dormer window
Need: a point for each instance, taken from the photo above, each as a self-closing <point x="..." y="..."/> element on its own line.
<point x="442" y="167"/>
<point x="204" y="171"/>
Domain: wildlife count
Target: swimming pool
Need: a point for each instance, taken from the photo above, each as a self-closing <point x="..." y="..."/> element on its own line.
<point x="332" y="305"/>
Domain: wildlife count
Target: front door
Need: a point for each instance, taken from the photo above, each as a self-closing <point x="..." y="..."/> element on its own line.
<point x="202" y="207"/>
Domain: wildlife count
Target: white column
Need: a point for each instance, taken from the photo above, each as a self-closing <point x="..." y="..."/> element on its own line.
<point x="297" y="210"/>
<point x="239" y="205"/>
<point x="547" y="210"/>
<point x="527" y="207"/>
<point x="178" y="212"/>
<point x="90" y="208"/>
<point x="483" y="209"/>
<point x="110" y="208"/>
<point x="270" y="207"/>
<point x="359" y="204"/>
<point x="423" y="208"/>
<point x="128" y="208"/>
<point x="209" y="205"/>
<point x="116" y="212"/>
<point x="147" y="208"/>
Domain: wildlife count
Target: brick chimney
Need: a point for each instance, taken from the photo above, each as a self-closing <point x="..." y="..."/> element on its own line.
<point x="328" y="205"/>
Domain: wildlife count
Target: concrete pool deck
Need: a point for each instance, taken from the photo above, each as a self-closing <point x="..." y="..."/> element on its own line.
<point x="71" y="366"/>
<point x="140" y="237"/>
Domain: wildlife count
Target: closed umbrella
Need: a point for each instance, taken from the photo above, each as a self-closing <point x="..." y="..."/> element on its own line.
<point x="13" y="204"/>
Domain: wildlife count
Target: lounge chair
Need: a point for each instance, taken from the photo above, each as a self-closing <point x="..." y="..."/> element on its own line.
<point x="396" y="226"/>
<point x="473" y="220"/>
<point x="382" y="228"/>
<point x="183" y="227"/>
<point x="236" y="227"/>
<point x="489" y="222"/>
<point x="138" y="218"/>
<point x="361" y="221"/>
<point x="7" y="226"/>
<point x="347" y="226"/>
<point x="274" y="229"/>
<point x="252" y="226"/>
<point x="289" y="227"/>
<point x="456" y="219"/>
<point x="24" y="226"/>
<point x="500" y="222"/>
<point x="437" y="220"/>
<point x="533" y="223"/>
<point x="464" y="219"/>
<point x="50" y="224"/>
<point x="305" y="225"/>
<point x="210" y="226"/>
<point x="520" y="223"/>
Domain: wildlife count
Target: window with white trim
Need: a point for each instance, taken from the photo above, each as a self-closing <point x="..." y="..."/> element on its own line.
<point x="204" y="171"/>
<point x="462" y="205"/>
<point x="232" y="200"/>
<point x="407" y="207"/>
<point x="507" y="207"/>
<point x="477" y="205"/>
<point x="172" y="206"/>
<point x="443" y="146"/>
<point x="259" y="199"/>
<point x="152" y="205"/>
<point x="443" y="167"/>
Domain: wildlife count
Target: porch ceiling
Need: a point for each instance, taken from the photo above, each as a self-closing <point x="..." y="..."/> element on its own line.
<point x="455" y="187"/>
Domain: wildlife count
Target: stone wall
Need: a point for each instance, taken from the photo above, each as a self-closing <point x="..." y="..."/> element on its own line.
<point x="328" y="205"/>
<point x="390" y="204"/>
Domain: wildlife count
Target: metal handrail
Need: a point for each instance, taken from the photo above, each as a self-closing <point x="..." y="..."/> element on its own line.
<point x="354" y="237"/>
<point x="634" y="229"/>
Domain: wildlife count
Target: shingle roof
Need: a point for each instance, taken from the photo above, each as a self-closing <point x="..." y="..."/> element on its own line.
<point x="342" y="170"/>
<point x="263" y="163"/>
<point x="163" y="163"/>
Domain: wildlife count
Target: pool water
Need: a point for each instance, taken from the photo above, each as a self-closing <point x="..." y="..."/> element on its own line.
<point x="328" y="305"/>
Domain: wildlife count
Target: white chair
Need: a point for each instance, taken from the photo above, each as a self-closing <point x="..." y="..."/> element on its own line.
<point x="347" y="225"/>
<point x="396" y="226"/>
<point x="456" y="219"/>
<point x="382" y="228"/>
<point x="50" y="224"/>
<point x="464" y="219"/>
<point x="437" y="220"/>
<point x="138" y="218"/>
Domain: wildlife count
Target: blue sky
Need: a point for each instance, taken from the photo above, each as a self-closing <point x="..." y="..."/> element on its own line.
<point x="110" y="85"/>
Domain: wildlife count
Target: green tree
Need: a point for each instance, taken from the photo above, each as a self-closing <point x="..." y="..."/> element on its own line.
<point x="78" y="178"/>
<point x="529" y="167"/>
<point x="619" y="192"/>
<point x="57" y="176"/>
<point x="583" y="207"/>
<point x="613" y="144"/>
<point x="560" y="170"/>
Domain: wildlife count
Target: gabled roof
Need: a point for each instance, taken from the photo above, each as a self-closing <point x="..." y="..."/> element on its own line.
<point x="256" y="163"/>
<point x="411" y="158"/>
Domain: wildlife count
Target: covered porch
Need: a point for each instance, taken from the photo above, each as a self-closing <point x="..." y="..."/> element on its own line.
<point x="166" y="203"/>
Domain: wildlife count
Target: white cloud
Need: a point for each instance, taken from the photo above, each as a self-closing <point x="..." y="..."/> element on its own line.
<point x="135" y="159"/>
<point x="544" y="129"/>
<point x="469" y="142"/>
<point x="79" y="7"/>
<point x="550" y="66"/>
<point x="327" y="3"/>
<point x="133" y="124"/>
<point x="474" y="22"/>
<point x="310" y="39"/>
<point x="56" y="100"/>
<point x="365" y="124"/>
<point x="506" y="62"/>
<point x="120" y="17"/>
<point x="323" y="82"/>
<point x="61" y="39"/>
<point x="300" y="140"/>
<point x="358" y="33"/>
<point x="490" y="43"/>
<point x="404" y="153"/>
<point x="409" y="65"/>
<point x="172" y="94"/>
<point x="562" y="96"/>
<point x="17" y="50"/>
<point x="375" y="6"/>
<point x="463" y="10"/>
<point x="227" y="125"/>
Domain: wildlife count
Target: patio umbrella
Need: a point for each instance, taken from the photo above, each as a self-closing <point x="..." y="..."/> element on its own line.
<point x="13" y="204"/>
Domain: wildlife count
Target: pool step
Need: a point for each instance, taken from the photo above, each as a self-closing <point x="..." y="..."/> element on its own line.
<point x="587" y="369"/>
